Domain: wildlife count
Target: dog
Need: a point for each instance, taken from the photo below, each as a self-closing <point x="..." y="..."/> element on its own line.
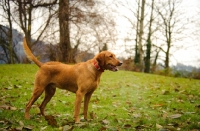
<point x="82" y="79"/>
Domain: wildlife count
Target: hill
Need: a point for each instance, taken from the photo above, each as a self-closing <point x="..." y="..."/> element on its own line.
<point x="124" y="101"/>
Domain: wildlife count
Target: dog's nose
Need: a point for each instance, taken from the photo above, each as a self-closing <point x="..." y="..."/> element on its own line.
<point x="120" y="63"/>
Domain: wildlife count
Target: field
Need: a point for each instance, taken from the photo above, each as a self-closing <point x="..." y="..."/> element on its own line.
<point x="123" y="101"/>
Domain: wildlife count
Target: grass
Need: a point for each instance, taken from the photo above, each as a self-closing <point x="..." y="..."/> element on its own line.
<point x="124" y="101"/>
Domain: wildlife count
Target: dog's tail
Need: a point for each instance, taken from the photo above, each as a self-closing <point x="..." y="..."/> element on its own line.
<point x="30" y="55"/>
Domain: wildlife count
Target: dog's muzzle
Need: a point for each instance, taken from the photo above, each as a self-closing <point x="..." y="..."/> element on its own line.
<point x="113" y="67"/>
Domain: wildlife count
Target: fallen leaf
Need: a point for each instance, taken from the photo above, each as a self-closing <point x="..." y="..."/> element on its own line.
<point x="190" y="112"/>
<point x="127" y="126"/>
<point x="5" y="128"/>
<point x="197" y="106"/>
<point x="165" y="115"/>
<point x="19" y="128"/>
<point x="116" y="104"/>
<point x="7" y="107"/>
<point x="157" y="105"/>
<point x="158" y="126"/>
<point x="174" y="116"/>
<point x="93" y="115"/>
<point x="119" y="120"/>
<point x="173" y="124"/>
<point x="9" y="88"/>
<point x="43" y="128"/>
<point x="136" y="115"/>
<point x="105" y="122"/>
<point x="13" y="108"/>
<point x="139" y="127"/>
<point x="103" y="128"/>
<point x="67" y="128"/>
<point x="163" y="129"/>
<point x="28" y="127"/>
<point x="176" y="90"/>
<point x="171" y="128"/>
<point x="166" y="92"/>
<point x="21" y="123"/>
<point x="82" y="124"/>
<point x="17" y="86"/>
<point x="6" y="122"/>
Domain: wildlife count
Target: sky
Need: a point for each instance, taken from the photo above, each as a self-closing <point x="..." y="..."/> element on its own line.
<point x="190" y="53"/>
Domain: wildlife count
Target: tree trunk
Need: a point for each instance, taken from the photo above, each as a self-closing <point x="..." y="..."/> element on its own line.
<point x="8" y="31"/>
<point x="65" y="46"/>
<point x="10" y="35"/>
<point x="168" y="41"/>
<point x="167" y="56"/>
<point x="149" y="43"/>
<point x="148" y="56"/>
<point x="141" y="31"/>
<point x="155" y="61"/>
<point x="136" y="58"/>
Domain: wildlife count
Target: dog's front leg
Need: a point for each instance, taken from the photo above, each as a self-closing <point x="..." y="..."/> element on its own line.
<point x="79" y="96"/>
<point x="86" y="103"/>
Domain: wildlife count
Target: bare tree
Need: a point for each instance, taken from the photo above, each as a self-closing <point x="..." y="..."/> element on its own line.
<point x="137" y="11"/>
<point x="7" y="43"/>
<point x="137" y="55"/>
<point x="170" y="26"/>
<point x="141" y="32"/>
<point x="104" y="32"/>
<point x="91" y="29"/>
<point x="24" y="11"/>
<point x="70" y="13"/>
<point x="149" y="41"/>
<point x="64" y="19"/>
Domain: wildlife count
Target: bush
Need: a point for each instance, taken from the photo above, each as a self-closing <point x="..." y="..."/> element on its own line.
<point x="129" y="65"/>
<point x="195" y="74"/>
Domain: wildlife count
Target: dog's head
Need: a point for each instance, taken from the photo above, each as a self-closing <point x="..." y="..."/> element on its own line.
<point x="108" y="61"/>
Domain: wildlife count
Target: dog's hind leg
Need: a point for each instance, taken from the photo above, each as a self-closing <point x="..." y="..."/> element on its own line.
<point x="36" y="94"/>
<point x="49" y="92"/>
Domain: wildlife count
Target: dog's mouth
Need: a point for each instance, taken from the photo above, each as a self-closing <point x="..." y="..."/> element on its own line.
<point x="112" y="68"/>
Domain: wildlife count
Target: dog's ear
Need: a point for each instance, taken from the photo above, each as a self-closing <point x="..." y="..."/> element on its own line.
<point x="101" y="59"/>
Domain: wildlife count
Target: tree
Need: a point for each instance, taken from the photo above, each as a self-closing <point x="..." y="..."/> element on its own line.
<point x="141" y="32"/>
<point x="68" y="14"/>
<point x="137" y="22"/>
<point x="24" y="12"/>
<point x="64" y="19"/>
<point x="103" y="30"/>
<point x="149" y="41"/>
<point x="169" y="26"/>
<point x="7" y="40"/>
<point x="91" y="29"/>
<point x="137" y="56"/>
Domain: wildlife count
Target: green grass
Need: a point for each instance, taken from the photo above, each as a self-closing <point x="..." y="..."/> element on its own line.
<point x="124" y="101"/>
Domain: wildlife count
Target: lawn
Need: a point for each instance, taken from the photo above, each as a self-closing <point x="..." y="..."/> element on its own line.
<point x="123" y="101"/>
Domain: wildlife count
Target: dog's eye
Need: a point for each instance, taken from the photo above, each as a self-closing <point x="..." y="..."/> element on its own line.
<point x="110" y="56"/>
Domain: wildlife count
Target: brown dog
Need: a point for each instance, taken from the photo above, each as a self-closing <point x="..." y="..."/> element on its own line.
<point x="82" y="79"/>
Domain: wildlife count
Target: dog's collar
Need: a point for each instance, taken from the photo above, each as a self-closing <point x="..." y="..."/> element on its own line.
<point x="97" y="66"/>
